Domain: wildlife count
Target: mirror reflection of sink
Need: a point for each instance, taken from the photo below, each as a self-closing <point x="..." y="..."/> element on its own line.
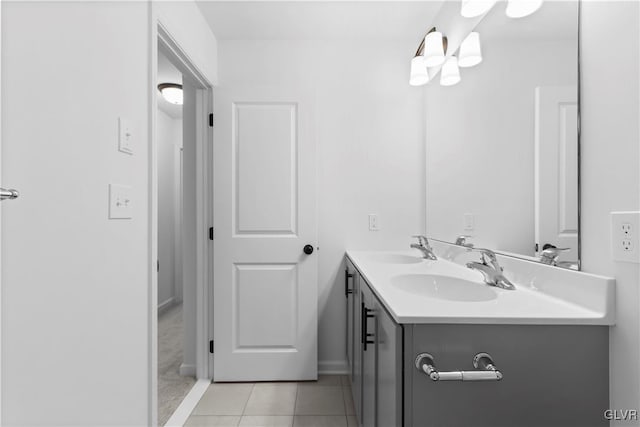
<point x="394" y="258"/>
<point x="444" y="287"/>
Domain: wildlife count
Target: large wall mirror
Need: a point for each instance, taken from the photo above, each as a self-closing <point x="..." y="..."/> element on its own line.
<point x="502" y="144"/>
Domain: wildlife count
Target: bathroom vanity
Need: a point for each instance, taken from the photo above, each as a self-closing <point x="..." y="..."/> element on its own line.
<point x="546" y="341"/>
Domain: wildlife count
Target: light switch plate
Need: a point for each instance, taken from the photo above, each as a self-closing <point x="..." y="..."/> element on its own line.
<point x="125" y="136"/>
<point x="625" y="230"/>
<point x="120" y="203"/>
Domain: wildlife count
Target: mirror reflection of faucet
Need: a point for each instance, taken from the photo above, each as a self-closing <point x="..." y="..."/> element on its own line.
<point x="550" y="254"/>
<point x="462" y="241"/>
<point x="491" y="269"/>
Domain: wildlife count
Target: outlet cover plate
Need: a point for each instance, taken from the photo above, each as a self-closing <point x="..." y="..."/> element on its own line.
<point x="374" y="222"/>
<point x="625" y="231"/>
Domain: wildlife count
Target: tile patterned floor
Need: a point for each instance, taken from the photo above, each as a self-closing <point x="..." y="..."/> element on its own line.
<point x="323" y="403"/>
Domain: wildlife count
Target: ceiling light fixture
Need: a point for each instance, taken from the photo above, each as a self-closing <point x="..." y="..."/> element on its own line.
<point x="522" y="8"/>
<point x="171" y="92"/>
<point x="470" y="53"/>
<point x="473" y="8"/>
<point x="450" y="73"/>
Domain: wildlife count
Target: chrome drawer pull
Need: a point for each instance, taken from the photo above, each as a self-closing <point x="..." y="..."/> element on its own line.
<point x="486" y="371"/>
<point x="8" y="194"/>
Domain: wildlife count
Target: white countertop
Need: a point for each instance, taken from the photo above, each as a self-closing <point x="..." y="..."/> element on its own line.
<point x="544" y="295"/>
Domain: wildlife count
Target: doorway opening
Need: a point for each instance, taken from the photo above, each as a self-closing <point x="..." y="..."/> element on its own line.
<point x="181" y="215"/>
<point x="176" y="376"/>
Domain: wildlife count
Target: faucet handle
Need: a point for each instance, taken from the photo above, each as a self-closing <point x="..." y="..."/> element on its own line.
<point x="550" y="255"/>
<point x="422" y="240"/>
<point x="493" y="259"/>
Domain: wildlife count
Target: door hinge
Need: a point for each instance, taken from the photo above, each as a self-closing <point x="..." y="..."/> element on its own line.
<point x="210" y="233"/>
<point x="537" y="247"/>
<point x="211" y="346"/>
<point x="211" y="120"/>
<point x="158" y="266"/>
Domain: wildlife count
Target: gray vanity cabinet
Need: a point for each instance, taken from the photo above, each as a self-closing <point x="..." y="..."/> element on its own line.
<point x="354" y="346"/>
<point x="553" y="375"/>
<point x="388" y="338"/>
<point x="374" y="353"/>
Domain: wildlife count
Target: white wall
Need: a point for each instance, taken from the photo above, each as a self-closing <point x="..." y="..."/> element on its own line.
<point x="75" y="295"/>
<point x="77" y="303"/>
<point x="370" y="150"/>
<point x="169" y="137"/>
<point x="480" y="142"/>
<point x="610" y="175"/>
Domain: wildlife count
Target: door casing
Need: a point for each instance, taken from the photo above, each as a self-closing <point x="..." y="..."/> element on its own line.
<point x="162" y="39"/>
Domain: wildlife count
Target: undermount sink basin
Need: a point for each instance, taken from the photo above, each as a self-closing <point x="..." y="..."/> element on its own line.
<point x="443" y="287"/>
<point x="394" y="259"/>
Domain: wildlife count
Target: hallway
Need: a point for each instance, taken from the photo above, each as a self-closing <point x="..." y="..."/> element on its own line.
<point x="172" y="388"/>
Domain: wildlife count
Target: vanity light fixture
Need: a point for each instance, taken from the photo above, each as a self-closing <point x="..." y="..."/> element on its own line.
<point x="435" y="47"/>
<point x="450" y="73"/>
<point x="419" y="75"/>
<point x="470" y="53"/>
<point x="473" y="8"/>
<point x="171" y="92"/>
<point x="522" y="8"/>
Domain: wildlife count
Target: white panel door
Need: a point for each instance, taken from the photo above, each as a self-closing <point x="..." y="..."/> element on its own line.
<point x="265" y="286"/>
<point x="556" y="169"/>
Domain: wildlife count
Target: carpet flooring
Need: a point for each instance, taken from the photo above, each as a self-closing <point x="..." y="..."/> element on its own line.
<point x="172" y="388"/>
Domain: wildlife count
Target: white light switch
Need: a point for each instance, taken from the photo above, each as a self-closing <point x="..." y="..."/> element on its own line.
<point x="125" y="136"/>
<point x="625" y="230"/>
<point x="120" y="203"/>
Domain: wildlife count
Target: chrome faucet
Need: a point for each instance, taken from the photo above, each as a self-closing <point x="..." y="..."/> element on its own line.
<point x="550" y="255"/>
<point x="462" y="241"/>
<point x="491" y="270"/>
<point x="424" y="247"/>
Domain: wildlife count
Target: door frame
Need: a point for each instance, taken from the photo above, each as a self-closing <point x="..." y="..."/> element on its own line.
<point x="161" y="38"/>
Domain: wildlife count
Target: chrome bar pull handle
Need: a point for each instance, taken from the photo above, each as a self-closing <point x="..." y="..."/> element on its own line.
<point x="486" y="370"/>
<point x="8" y="194"/>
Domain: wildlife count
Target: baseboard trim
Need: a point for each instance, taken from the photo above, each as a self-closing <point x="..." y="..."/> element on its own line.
<point x="333" y="367"/>
<point x="188" y="404"/>
<point x="166" y="305"/>
<point x="187" y="370"/>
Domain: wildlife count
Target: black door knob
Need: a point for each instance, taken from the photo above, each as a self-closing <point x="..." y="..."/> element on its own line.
<point x="308" y="249"/>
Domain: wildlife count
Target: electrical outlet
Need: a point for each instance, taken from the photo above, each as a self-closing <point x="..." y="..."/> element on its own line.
<point x="469" y="222"/>
<point x="624" y="237"/>
<point x="374" y="225"/>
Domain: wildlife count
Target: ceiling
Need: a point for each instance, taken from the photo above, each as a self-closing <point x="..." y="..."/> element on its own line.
<point x="300" y="20"/>
<point x="168" y="73"/>
<point x="372" y="20"/>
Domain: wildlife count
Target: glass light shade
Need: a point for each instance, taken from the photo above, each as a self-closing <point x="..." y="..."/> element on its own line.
<point x="522" y="8"/>
<point x="473" y="8"/>
<point x="172" y="95"/>
<point x="419" y="75"/>
<point x="470" y="53"/>
<point x="433" y="49"/>
<point x="450" y="73"/>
